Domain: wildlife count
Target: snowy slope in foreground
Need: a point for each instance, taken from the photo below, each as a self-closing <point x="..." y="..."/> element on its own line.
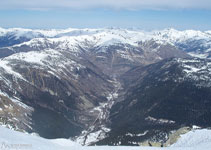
<point x="194" y="140"/>
<point x="15" y="140"/>
<point x="198" y="139"/>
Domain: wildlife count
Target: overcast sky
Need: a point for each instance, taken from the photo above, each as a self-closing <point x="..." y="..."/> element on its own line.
<point x="145" y="14"/>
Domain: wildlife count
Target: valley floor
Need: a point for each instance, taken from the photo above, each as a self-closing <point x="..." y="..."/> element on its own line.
<point x="199" y="139"/>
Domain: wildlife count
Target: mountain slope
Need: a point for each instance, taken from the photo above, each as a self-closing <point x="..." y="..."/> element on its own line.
<point x="160" y="98"/>
<point x="57" y="87"/>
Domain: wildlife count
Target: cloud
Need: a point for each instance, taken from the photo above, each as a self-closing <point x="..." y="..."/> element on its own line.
<point x="110" y="4"/>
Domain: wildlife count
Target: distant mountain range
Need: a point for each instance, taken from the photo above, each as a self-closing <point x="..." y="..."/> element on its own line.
<point x="196" y="43"/>
<point x="105" y="86"/>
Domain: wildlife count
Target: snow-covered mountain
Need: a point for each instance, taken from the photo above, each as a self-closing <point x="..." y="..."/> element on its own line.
<point x="102" y="45"/>
<point x="79" y="83"/>
<point x="64" y="87"/>
<point x="197" y="43"/>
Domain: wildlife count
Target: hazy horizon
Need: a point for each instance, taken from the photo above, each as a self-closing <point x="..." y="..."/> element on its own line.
<point x="111" y="27"/>
<point x="146" y="14"/>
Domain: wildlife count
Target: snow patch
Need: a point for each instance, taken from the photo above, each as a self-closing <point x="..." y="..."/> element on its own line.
<point x="159" y="121"/>
<point x="140" y="134"/>
<point x="197" y="55"/>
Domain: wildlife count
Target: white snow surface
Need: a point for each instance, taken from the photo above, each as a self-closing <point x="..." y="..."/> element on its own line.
<point x="15" y="140"/>
<point x="194" y="140"/>
<point x="34" y="57"/>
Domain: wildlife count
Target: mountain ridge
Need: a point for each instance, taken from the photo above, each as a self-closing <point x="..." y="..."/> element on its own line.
<point x="196" y="43"/>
